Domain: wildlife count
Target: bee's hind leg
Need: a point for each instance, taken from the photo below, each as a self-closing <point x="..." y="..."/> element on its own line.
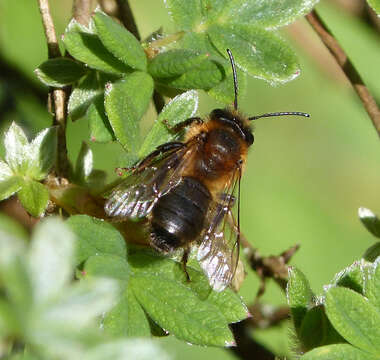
<point x="185" y="257"/>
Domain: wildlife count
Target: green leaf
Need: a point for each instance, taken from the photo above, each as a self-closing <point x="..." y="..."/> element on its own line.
<point x="299" y="295"/>
<point x="84" y="94"/>
<point x="42" y="153"/>
<point x="125" y="106"/>
<point x="12" y="227"/>
<point x="88" y="49"/>
<point x="127" y="318"/>
<point x="205" y="76"/>
<point x="316" y="329"/>
<point x="175" y="62"/>
<point x="261" y="53"/>
<point x="34" y="197"/>
<point x="182" y="313"/>
<point x="139" y="349"/>
<point x="95" y="237"/>
<point x="9" y="186"/>
<point x="176" y="111"/>
<point x="224" y="91"/>
<point x="186" y="14"/>
<point x="100" y="127"/>
<point x="337" y="351"/>
<point x="372" y="253"/>
<point x="107" y="265"/>
<point x="372" y="289"/>
<point x="120" y="42"/>
<point x="265" y="14"/>
<point x="84" y="164"/>
<point x="59" y="72"/>
<point x="370" y="221"/>
<point x="354" y="318"/>
<point x="375" y="5"/>
<point x="16" y="144"/>
<point x="51" y="259"/>
<point x="354" y="276"/>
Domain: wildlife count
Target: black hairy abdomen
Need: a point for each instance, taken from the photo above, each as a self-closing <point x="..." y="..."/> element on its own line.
<point x="178" y="217"/>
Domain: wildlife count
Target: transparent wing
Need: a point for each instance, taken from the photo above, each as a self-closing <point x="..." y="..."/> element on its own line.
<point x="218" y="252"/>
<point x="136" y="196"/>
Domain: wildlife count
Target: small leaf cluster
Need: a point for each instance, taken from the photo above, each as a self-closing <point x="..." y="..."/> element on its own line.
<point x="156" y="297"/>
<point x="43" y="311"/>
<point x="113" y="75"/>
<point x="26" y="164"/>
<point x="343" y="323"/>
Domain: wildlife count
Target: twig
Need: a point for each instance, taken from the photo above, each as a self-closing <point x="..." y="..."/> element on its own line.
<point x="348" y="68"/>
<point x="126" y="16"/>
<point x="59" y="95"/>
<point x="82" y="11"/>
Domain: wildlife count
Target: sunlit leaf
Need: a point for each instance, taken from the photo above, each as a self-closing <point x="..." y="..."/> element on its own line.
<point x="375" y="5"/>
<point x="125" y="106"/>
<point x="100" y="127"/>
<point x="176" y="111"/>
<point x="34" y="197"/>
<point x="370" y="221"/>
<point x="337" y="351"/>
<point x="186" y="14"/>
<point x="16" y="152"/>
<point x="372" y="289"/>
<point x="120" y="42"/>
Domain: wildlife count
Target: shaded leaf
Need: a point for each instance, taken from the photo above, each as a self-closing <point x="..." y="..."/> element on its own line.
<point x="261" y="53"/>
<point x="370" y="221"/>
<point x="84" y="164"/>
<point x="95" y="237"/>
<point x="107" y="265"/>
<point x="186" y="14"/>
<point x="354" y="318"/>
<point x="175" y="62"/>
<point x="127" y="318"/>
<point x="316" y="329"/>
<point x="182" y="313"/>
<point x="84" y="94"/>
<point x="34" y="197"/>
<point x="205" y="76"/>
<point x="51" y="259"/>
<point x="176" y="111"/>
<point x="372" y="253"/>
<point x="100" y="128"/>
<point x="120" y="42"/>
<point x="125" y="106"/>
<point x="59" y="72"/>
<point x="337" y="351"/>
<point x="88" y="49"/>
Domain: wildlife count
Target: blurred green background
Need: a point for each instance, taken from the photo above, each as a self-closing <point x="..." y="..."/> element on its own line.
<point x="305" y="178"/>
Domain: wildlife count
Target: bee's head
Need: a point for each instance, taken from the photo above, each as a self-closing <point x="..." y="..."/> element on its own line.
<point x="235" y="121"/>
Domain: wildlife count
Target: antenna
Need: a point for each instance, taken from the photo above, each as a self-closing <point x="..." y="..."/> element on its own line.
<point x="235" y="78"/>
<point x="296" y="113"/>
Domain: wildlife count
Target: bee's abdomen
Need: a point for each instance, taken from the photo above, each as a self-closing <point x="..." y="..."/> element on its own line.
<point x="178" y="216"/>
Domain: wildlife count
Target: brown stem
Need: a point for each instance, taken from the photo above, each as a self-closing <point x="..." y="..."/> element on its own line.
<point x="348" y="68"/>
<point x="126" y="16"/>
<point x="82" y="11"/>
<point x="58" y="95"/>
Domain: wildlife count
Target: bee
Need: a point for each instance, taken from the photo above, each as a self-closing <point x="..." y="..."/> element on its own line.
<point x="187" y="190"/>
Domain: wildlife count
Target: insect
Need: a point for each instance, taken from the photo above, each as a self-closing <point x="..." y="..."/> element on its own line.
<point x="187" y="190"/>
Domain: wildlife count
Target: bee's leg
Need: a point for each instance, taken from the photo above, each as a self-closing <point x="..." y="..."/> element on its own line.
<point x="180" y="126"/>
<point x="185" y="257"/>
